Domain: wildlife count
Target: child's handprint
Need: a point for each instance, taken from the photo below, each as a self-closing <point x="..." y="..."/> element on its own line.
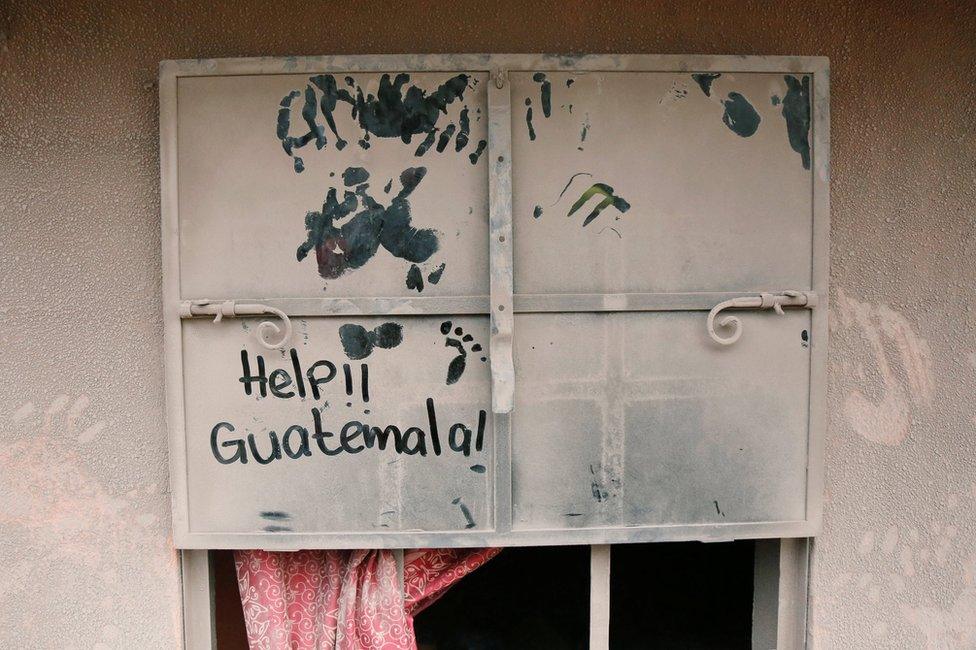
<point x="458" y="363"/>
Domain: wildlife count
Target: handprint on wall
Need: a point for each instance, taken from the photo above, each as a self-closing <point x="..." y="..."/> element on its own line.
<point x="891" y="366"/>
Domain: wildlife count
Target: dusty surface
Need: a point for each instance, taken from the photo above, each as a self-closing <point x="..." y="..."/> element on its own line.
<point x="84" y="512"/>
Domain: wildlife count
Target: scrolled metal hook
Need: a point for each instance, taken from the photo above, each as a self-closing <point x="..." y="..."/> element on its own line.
<point x="776" y="302"/>
<point x="732" y="322"/>
<point x="278" y="334"/>
<point x="269" y="334"/>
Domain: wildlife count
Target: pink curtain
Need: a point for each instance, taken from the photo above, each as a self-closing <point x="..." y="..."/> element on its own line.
<point x="344" y="600"/>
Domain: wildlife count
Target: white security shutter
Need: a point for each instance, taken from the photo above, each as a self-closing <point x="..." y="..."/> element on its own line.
<point x="493" y="275"/>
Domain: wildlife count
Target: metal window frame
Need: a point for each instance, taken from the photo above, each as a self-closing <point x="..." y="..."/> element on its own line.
<point x="501" y="304"/>
<point x="779" y="602"/>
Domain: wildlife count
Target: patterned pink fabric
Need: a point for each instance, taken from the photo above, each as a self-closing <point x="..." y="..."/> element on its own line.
<point x="429" y="572"/>
<point x="344" y="600"/>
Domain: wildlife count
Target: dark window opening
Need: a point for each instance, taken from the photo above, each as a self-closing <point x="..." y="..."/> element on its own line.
<point x="532" y="597"/>
<point x="663" y="595"/>
<point x="228" y="612"/>
<point x="687" y="595"/>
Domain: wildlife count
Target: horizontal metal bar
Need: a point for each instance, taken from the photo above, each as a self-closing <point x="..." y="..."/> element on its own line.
<point x="486" y="62"/>
<point x="524" y="303"/>
<point x="570" y="302"/>
<point x="468" y="539"/>
<point x="417" y="306"/>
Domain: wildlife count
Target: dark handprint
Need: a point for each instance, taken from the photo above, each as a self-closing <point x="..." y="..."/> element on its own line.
<point x="350" y="245"/>
<point x="397" y="111"/>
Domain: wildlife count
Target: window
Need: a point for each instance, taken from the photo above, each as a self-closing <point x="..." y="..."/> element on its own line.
<point x="491" y="286"/>
<point x="727" y="595"/>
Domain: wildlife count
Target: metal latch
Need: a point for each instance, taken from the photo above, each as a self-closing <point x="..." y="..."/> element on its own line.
<point x="231" y="309"/>
<point x="774" y="301"/>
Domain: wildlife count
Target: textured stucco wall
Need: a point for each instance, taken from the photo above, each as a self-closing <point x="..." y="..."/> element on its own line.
<point x="84" y="506"/>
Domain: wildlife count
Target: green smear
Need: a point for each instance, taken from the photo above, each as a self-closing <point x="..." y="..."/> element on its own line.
<point x="604" y="190"/>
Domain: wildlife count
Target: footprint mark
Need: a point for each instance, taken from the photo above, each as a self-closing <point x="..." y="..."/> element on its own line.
<point x="457" y="339"/>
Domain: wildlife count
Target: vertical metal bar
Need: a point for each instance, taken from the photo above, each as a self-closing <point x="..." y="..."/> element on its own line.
<point x="501" y="288"/>
<point x="820" y="272"/>
<point x="199" y="632"/>
<point x="502" y="476"/>
<point x="600" y="597"/>
<point x="792" y="619"/>
<point x="500" y="242"/>
<point x="779" y="606"/>
<point x="172" y="325"/>
<point x="765" y="594"/>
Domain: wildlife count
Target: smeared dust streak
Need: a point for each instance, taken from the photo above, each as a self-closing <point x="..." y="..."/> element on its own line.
<point x="613" y="438"/>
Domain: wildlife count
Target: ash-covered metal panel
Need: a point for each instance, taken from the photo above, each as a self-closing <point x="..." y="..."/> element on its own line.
<point x="377" y="238"/>
<point x="354" y="427"/>
<point x="661" y="181"/>
<point x="284" y="180"/>
<point x="638" y="419"/>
